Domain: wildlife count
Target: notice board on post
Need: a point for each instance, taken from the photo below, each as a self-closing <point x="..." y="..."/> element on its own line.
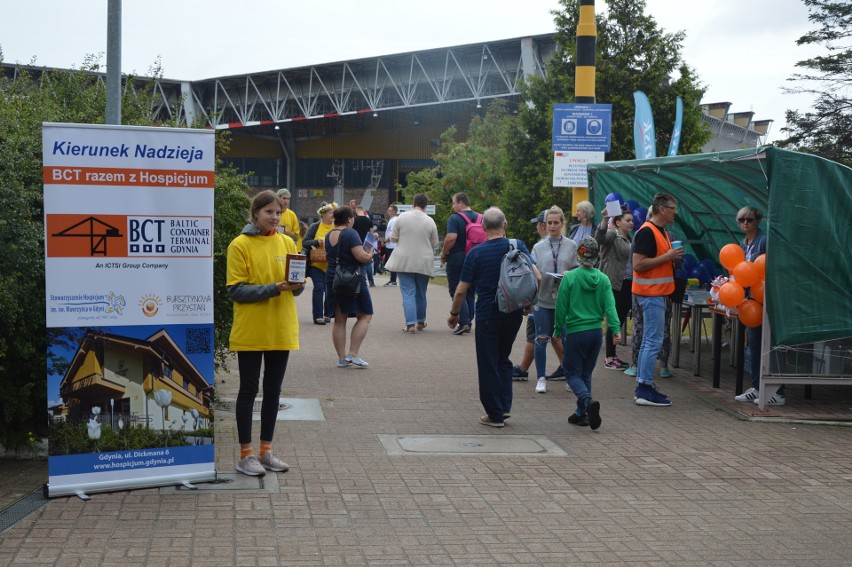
<point x="128" y="215"/>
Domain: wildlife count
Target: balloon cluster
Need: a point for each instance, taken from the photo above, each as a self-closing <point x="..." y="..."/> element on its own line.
<point x="731" y="291"/>
<point x="639" y="213"/>
<point x="704" y="271"/>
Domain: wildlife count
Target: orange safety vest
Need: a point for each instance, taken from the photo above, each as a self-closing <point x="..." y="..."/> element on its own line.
<point x="660" y="280"/>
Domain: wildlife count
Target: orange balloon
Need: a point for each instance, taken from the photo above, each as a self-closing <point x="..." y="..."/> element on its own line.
<point x="730" y="255"/>
<point x="746" y="274"/>
<point x="757" y="291"/>
<point x="731" y="294"/>
<point x="750" y="313"/>
<point x="760" y="264"/>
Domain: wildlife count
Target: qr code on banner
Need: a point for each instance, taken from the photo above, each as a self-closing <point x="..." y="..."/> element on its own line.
<point x="199" y="341"/>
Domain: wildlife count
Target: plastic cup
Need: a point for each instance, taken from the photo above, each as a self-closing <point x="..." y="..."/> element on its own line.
<point x="677" y="244"/>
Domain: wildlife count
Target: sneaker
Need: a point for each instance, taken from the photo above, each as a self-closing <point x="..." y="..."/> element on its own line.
<point x="272" y="463"/>
<point x="665" y="373"/>
<point x="612" y="364"/>
<point x="621" y="364"/>
<point x="747" y="396"/>
<point x="343" y="363"/>
<point x="594" y="414"/>
<point x="485" y="420"/>
<point x="518" y="374"/>
<point x="462" y="329"/>
<point x="630" y="371"/>
<point x="356" y="362"/>
<point x="327" y="319"/>
<point x="319" y="321"/>
<point x="648" y="395"/>
<point x="541" y="386"/>
<point x="581" y="420"/>
<point x="775" y="399"/>
<point x="251" y="466"/>
<point x="390" y="284"/>
<point x="557" y="374"/>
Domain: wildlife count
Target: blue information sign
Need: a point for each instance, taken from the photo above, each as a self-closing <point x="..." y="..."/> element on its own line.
<point x="582" y="127"/>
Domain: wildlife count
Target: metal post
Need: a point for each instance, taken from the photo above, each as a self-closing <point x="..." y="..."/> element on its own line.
<point x="584" y="79"/>
<point x="113" y="82"/>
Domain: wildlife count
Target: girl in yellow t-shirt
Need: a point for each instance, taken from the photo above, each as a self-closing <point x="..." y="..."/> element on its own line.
<point x="265" y="328"/>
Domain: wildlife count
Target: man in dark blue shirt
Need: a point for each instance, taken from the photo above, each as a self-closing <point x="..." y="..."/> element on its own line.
<point x="495" y="331"/>
<point x="453" y="255"/>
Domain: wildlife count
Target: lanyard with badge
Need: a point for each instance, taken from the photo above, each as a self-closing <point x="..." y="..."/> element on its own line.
<point x="555" y="290"/>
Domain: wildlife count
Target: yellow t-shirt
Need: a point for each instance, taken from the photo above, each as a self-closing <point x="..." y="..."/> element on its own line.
<point x="322" y="230"/>
<point x="290" y="222"/>
<point x="272" y="323"/>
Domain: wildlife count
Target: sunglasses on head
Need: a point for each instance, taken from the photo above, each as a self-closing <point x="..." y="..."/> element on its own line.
<point x="745" y="219"/>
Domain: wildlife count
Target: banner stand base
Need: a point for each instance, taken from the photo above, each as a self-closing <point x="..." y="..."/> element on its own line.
<point x="53" y="490"/>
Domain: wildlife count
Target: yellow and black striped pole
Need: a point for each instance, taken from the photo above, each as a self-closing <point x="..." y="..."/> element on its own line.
<point x="584" y="80"/>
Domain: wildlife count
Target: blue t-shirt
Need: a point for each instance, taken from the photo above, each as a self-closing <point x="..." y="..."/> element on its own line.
<point x="457" y="225"/>
<point x="756" y="248"/>
<point x="482" y="271"/>
<point x="345" y="243"/>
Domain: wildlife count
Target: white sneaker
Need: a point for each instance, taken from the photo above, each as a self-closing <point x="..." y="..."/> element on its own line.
<point x="272" y="463"/>
<point x="251" y="466"/>
<point x="541" y="386"/>
<point x="775" y="399"/>
<point x="747" y="396"/>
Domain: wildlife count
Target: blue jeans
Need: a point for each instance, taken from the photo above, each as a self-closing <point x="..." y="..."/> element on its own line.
<point x="543" y="331"/>
<point x="319" y="306"/>
<point x="654" y="319"/>
<point x="413" y="288"/>
<point x="494" y="339"/>
<point x="453" y="279"/>
<point x="580" y="353"/>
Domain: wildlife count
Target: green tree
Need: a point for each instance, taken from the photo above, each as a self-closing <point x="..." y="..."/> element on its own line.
<point x="69" y="96"/>
<point x="827" y="130"/>
<point x="633" y="53"/>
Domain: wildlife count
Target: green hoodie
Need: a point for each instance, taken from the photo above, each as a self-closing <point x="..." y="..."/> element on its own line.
<point x="584" y="298"/>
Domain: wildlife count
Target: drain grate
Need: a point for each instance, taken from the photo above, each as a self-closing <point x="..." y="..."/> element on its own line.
<point x="16" y="512"/>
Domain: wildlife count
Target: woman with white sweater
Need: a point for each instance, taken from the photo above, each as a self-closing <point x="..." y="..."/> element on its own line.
<point x="413" y="259"/>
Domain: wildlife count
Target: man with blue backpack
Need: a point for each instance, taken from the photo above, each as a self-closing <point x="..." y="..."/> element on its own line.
<point x="506" y="282"/>
<point x="464" y="231"/>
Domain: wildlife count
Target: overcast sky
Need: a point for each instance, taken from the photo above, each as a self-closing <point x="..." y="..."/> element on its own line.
<point x="743" y="50"/>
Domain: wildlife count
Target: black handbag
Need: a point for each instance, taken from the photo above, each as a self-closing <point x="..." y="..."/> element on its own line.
<point x="347" y="281"/>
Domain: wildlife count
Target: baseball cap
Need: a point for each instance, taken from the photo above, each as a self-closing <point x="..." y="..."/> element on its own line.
<point x="540" y="218"/>
<point x="587" y="251"/>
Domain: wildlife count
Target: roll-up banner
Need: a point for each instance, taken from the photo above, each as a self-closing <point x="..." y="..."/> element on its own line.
<point x="128" y="215"/>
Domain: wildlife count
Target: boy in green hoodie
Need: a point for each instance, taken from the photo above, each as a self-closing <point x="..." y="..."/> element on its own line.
<point x="584" y="299"/>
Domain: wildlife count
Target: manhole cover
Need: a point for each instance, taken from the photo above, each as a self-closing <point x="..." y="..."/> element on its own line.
<point x="470" y="445"/>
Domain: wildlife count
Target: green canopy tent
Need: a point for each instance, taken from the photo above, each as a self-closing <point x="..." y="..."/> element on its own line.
<point x="807" y="202"/>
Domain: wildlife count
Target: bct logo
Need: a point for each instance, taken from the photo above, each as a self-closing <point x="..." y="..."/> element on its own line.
<point x="569" y="126"/>
<point x="146" y="235"/>
<point x="594" y="127"/>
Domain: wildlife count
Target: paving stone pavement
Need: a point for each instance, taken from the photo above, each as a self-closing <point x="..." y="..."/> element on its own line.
<point x="686" y="485"/>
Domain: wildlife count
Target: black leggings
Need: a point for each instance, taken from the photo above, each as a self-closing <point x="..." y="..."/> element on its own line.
<point x="274" y="367"/>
